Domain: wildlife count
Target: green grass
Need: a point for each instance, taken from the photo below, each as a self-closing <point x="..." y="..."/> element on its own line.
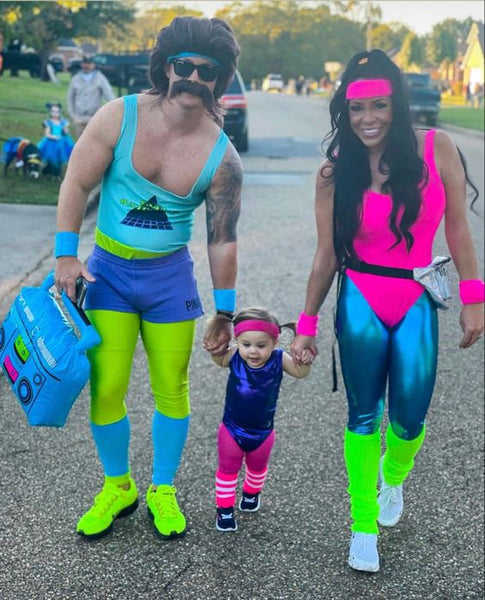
<point x="22" y="111"/>
<point x="462" y="116"/>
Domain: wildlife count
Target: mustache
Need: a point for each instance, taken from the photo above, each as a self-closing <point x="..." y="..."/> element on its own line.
<point x="196" y="89"/>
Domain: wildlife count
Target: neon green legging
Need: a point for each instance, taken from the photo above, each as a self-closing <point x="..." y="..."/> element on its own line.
<point x="168" y="347"/>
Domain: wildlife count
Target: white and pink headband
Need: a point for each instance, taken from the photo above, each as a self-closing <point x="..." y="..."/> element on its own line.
<point x="257" y="325"/>
<point x="368" y="88"/>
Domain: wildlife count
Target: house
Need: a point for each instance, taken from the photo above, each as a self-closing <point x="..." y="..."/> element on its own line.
<point x="68" y="50"/>
<point x="472" y="64"/>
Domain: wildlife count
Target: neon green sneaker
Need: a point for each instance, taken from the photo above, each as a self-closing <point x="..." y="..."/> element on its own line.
<point x="111" y="503"/>
<point x="163" y="509"/>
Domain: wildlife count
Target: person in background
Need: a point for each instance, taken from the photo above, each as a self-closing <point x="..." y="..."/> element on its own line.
<point x="160" y="155"/>
<point x="380" y="197"/>
<point x="246" y="433"/>
<point x="56" y="145"/>
<point x="86" y="93"/>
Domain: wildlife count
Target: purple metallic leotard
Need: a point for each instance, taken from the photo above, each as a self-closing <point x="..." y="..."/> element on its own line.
<point x="251" y="397"/>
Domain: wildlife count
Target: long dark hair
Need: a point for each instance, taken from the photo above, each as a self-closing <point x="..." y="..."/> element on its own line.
<point x="407" y="173"/>
<point x="210" y="37"/>
<point x="351" y="169"/>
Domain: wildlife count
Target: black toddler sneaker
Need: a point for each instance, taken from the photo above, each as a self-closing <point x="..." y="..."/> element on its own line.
<point x="249" y="502"/>
<point x="225" y="519"/>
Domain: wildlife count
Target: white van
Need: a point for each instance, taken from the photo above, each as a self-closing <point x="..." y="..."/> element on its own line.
<point x="273" y="81"/>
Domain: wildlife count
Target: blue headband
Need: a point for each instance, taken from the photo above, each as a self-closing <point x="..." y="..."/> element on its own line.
<point x="186" y="54"/>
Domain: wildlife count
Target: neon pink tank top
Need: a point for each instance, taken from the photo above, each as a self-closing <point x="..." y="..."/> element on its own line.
<point x="390" y="298"/>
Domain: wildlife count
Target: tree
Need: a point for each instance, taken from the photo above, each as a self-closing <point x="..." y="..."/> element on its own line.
<point x="142" y="33"/>
<point x="441" y="46"/>
<point x="411" y="52"/>
<point x="363" y="11"/>
<point x="442" y="43"/>
<point x="42" y="24"/>
<point x="388" y="36"/>
<point x="290" y="37"/>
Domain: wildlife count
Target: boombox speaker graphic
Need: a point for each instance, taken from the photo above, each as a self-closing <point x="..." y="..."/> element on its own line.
<point x="43" y="343"/>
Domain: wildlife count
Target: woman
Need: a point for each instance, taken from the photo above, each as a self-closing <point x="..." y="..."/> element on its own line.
<point x="380" y="197"/>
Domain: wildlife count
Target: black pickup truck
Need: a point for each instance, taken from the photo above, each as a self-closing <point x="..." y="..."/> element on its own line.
<point x="424" y="97"/>
<point x="120" y="69"/>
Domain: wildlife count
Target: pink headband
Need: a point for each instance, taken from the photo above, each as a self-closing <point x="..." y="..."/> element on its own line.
<point x="257" y="325"/>
<point x="368" y="88"/>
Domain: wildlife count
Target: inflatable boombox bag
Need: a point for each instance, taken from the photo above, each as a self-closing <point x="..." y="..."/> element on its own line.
<point x="43" y="343"/>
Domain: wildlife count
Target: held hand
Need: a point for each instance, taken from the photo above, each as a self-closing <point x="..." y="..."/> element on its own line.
<point x="471" y="323"/>
<point x="68" y="270"/>
<point x="307" y="357"/>
<point x="301" y="345"/>
<point x="218" y="335"/>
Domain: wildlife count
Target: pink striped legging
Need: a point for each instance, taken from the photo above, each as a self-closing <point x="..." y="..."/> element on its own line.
<point x="231" y="457"/>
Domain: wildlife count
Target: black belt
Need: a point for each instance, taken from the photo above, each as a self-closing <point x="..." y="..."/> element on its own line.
<point x="362" y="267"/>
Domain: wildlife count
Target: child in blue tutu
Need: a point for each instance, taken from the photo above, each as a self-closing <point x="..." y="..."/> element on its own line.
<point x="56" y="145"/>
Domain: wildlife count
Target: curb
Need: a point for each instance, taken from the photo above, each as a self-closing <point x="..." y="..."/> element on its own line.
<point x="36" y="274"/>
<point x="463" y="130"/>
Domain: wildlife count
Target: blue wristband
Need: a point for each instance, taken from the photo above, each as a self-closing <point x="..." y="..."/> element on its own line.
<point x="66" y="243"/>
<point x="225" y="300"/>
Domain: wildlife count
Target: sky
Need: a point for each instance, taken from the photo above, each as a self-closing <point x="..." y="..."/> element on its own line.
<point x="418" y="15"/>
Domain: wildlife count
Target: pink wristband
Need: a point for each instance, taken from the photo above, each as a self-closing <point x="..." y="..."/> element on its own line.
<point x="472" y="291"/>
<point x="307" y="325"/>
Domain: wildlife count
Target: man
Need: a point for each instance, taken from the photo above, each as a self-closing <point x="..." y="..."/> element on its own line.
<point x="86" y="93"/>
<point x="160" y="155"/>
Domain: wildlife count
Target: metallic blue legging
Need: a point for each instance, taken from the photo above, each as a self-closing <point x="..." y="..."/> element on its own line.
<point x="373" y="354"/>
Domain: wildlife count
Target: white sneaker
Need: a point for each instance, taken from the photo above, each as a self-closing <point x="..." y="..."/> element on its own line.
<point x="363" y="555"/>
<point x="390" y="500"/>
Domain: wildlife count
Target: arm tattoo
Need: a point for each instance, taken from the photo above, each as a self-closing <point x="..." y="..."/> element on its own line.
<point x="223" y="202"/>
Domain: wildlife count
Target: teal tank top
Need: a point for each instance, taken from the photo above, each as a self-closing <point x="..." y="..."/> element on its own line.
<point x="136" y="213"/>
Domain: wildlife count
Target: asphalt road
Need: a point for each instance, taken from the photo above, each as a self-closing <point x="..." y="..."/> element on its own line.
<point x="295" y="547"/>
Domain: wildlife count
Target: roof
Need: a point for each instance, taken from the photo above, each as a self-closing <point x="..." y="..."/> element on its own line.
<point x="67" y="43"/>
<point x="475" y="33"/>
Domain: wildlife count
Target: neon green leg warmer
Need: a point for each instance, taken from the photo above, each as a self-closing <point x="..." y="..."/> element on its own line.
<point x="399" y="456"/>
<point x="362" y="453"/>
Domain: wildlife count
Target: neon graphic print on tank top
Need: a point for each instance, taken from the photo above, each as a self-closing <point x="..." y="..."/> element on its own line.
<point x="149" y="215"/>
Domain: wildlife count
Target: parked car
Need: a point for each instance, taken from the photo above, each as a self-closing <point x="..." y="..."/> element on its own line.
<point x="138" y="80"/>
<point x="119" y="69"/>
<point x="273" y="82"/>
<point x="424" y="97"/>
<point x="29" y="61"/>
<point x="235" y="102"/>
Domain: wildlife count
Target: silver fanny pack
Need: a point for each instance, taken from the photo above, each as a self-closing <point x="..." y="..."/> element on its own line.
<point x="435" y="280"/>
<point x="432" y="277"/>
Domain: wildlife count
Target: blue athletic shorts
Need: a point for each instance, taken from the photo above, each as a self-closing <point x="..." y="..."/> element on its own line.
<point x="161" y="290"/>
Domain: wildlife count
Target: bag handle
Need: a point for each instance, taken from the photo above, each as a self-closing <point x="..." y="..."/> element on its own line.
<point x="88" y="336"/>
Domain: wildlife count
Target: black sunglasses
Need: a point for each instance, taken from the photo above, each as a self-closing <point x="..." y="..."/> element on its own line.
<point x="184" y="68"/>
